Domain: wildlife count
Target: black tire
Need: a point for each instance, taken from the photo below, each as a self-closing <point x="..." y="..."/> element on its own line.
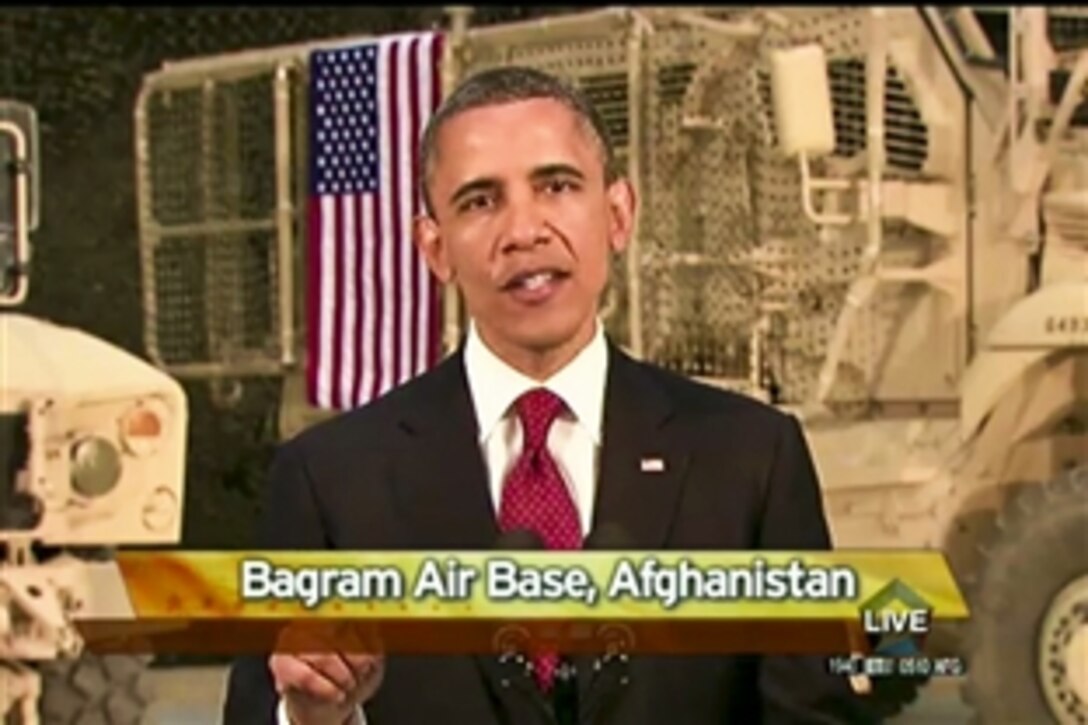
<point x="1039" y="546"/>
<point x="103" y="690"/>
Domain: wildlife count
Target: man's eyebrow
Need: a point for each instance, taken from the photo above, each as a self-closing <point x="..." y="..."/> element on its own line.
<point x="550" y="170"/>
<point x="489" y="183"/>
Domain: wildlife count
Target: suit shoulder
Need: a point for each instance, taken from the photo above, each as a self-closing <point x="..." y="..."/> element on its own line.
<point x="698" y="398"/>
<point x="374" y="420"/>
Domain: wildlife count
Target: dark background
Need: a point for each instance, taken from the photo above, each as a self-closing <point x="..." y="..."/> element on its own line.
<point x="81" y="67"/>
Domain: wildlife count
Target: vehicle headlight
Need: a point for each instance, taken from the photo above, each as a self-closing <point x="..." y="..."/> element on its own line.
<point x="96" y="466"/>
<point x="142" y="428"/>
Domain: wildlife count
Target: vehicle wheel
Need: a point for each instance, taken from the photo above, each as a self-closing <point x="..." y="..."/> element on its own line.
<point x="1027" y="638"/>
<point x="104" y="690"/>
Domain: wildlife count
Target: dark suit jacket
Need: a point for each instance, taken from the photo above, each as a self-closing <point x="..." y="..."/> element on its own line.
<point x="406" y="472"/>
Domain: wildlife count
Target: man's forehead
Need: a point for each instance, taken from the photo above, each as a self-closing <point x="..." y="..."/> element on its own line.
<point x="472" y="148"/>
<point x="532" y="118"/>
<point x="543" y="107"/>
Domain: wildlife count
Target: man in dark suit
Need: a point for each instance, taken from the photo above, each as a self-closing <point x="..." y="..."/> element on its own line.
<point x="537" y="421"/>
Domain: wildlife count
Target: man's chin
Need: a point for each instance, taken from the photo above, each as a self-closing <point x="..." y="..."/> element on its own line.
<point x="545" y="345"/>
<point x="540" y="332"/>
<point x="543" y="339"/>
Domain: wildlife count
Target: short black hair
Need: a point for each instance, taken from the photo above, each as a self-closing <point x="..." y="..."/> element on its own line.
<point x="509" y="84"/>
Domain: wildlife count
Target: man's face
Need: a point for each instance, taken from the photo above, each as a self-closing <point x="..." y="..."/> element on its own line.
<point x="524" y="222"/>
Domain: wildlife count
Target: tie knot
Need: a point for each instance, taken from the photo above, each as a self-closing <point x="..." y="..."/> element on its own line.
<point x="537" y="410"/>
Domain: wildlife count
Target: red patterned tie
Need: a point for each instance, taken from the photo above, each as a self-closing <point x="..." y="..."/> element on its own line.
<point x="536" y="498"/>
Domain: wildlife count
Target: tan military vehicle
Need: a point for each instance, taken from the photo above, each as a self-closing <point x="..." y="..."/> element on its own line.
<point x="874" y="218"/>
<point x="92" y="454"/>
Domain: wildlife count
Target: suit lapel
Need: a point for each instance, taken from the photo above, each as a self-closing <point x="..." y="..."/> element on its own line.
<point x="644" y="460"/>
<point x="643" y="457"/>
<point x="441" y="482"/>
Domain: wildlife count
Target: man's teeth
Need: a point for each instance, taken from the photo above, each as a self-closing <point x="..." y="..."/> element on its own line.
<point x="537" y="280"/>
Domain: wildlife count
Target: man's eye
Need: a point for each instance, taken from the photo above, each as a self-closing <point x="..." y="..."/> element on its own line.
<point x="480" y="201"/>
<point x="558" y="186"/>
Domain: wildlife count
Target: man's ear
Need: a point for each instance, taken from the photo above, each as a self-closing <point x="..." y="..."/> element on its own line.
<point x="623" y="209"/>
<point x="428" y="240"/>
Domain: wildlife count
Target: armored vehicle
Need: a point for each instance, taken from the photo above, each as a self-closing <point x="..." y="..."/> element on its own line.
<point x="92" y="457"/>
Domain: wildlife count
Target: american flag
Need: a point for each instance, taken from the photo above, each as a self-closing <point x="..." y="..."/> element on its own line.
<point x="373" y="306"/>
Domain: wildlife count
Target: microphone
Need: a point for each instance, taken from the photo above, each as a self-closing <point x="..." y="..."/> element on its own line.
<point x="519" y="540"/>
<point x="609" y="536"/>
<point x="563" y="704"/>
<point x="509" y="672"/>
<point x="611" y="671"/>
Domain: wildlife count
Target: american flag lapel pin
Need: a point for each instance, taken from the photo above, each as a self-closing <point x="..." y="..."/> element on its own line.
<point x="652" y="465"/>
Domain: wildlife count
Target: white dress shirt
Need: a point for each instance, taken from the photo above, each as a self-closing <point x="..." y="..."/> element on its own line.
<point x="574" y="439"/>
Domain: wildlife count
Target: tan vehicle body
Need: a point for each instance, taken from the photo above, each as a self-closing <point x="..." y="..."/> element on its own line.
<point x="93" y="442"/>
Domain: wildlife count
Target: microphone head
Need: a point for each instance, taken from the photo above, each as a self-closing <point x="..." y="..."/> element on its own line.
<point x="519" y="540"/>
<point x="611" y="536"/>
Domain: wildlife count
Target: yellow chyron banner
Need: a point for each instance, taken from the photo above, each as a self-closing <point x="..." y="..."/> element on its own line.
<point x="526" y="585"/>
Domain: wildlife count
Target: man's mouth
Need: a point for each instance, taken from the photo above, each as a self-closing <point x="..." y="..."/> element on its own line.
<point x="535" y="286"/>
<point x="534" y="280"/>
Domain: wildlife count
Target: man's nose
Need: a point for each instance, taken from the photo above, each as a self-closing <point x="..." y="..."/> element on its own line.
<point x="526" y="225"/>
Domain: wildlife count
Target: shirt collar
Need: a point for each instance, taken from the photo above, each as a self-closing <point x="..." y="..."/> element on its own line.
<point x="494" y="385"/>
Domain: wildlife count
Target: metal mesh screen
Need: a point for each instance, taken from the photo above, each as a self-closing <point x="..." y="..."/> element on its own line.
<point x="213" y="156"/>
<point x="210" y="197"/>
<point x="730" y="244"/>
<point x="698" y="191"/>
<point x="1068" y="27"/>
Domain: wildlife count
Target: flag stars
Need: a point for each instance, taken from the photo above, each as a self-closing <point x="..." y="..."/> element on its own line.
<point x="347" y="114"/>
